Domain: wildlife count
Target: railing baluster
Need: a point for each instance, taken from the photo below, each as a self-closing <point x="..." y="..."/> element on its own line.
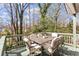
<point x="69" y="39"/>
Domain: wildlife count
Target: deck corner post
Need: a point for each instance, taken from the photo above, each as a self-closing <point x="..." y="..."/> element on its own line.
<point x="74" y="32"/>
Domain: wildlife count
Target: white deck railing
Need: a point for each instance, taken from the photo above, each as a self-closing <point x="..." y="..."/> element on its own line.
<point x="68" y="38"/>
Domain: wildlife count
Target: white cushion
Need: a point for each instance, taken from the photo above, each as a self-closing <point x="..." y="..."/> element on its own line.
<point x="37" y="46"/>
<point x="49" y="50"/>
<point x="39" y="35"/>
<point x="54" y="34"/>
<point x="43" y="36"/>
<point x="25" y="53"/>
<point x="37" y="52"/>
<point x="25" y="39"/>
<point x="33" y="44"/>
<point x="53" y="41"/>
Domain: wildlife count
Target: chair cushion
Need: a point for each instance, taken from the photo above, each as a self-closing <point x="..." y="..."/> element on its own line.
<point x="39" y="35"/>
<point x="37" y="46"/>
<point x="54" y="35"/>
<point x="52" y="44"/>
<point x="50" y="50"/>
<point x="25" y="39"/>
<point x="34" y="44"/>
<point x="25" y="53"/>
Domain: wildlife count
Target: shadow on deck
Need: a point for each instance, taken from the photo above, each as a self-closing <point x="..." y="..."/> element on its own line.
<point x="64" y="51"/>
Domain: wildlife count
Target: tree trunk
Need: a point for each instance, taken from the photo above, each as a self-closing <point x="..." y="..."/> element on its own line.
<point x="21" y="23"/>
<point x="29" y="18"/>
<point x="12" y="22"/>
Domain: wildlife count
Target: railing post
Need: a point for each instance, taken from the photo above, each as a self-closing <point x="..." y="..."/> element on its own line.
<point x="74" y="32"/>
<point x="2" y="43"/>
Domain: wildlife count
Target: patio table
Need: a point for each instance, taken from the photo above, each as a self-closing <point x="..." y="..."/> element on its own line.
<point x="41" y="40"/>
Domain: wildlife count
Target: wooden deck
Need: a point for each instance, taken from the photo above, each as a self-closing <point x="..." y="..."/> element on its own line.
<point x="69" y="51"/>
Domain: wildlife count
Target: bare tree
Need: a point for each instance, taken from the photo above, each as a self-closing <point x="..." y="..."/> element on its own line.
<point x="56" y="15"/>
<point x="29" y="18"/>
<point x="33" y="16"/>
<point x="16" y="12"/>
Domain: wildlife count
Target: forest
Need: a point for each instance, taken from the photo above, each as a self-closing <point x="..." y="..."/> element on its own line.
<point x="28" y="18"/>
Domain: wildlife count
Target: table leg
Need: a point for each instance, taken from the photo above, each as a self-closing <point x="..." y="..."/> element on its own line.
<point x="42" y="50"/>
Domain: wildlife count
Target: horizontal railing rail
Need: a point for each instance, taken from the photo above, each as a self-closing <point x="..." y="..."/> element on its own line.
<point x="16" y="35"/>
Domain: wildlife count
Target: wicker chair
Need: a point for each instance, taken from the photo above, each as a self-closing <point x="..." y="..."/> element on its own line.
<point x="51" y="47"/>
<point x="34" y="48"/>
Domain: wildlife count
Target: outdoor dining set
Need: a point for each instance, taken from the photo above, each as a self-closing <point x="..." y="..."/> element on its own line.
<point x="37" y="44"/>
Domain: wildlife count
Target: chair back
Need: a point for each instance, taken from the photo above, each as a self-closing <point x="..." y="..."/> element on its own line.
<point x="54" y="35"/>
<point x="55" y="42"/>
<point x="39" y="35"/>
<point x="26" y="40"/>
<point x="61" y="40"/>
